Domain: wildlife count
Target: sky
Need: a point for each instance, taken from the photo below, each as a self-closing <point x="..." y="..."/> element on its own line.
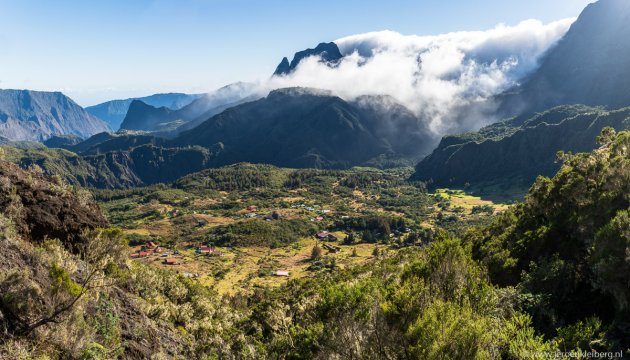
<point x="100" y="50"/>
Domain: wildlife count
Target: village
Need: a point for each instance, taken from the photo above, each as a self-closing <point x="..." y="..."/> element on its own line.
<point x="228" y="267"/>
<point x="213" y="265"/>
<point x="245" y="237"/>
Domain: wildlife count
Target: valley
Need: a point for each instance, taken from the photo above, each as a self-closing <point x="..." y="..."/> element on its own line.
<point x="385" y="195"/>
<point x="292" y="207"/>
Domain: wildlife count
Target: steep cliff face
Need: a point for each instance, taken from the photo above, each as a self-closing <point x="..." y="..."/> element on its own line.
<point x="516" y="152"/>
<point x="588" y="66"/>
<point x="36" y="116"/>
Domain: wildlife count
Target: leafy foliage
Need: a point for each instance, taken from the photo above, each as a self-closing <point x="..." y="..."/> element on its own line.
<point x="566" y="245"/>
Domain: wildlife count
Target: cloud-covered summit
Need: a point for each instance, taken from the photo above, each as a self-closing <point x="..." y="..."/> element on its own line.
<point x="441" y="78"/>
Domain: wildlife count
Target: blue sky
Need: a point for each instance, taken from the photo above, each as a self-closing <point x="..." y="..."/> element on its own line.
<point x="98" y="50"/>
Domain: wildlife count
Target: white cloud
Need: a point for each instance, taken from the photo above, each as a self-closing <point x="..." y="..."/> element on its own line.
<point x="437" y="77"/>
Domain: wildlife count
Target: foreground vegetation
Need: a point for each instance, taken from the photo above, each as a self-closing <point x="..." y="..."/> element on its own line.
<point x="549" y="274"/>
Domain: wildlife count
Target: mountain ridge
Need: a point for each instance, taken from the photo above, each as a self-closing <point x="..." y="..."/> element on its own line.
<point x="514" y="154"/>
<point x="317" y="129"/>
<point x="588" y="65"/>
<point x="38" y="115"/>
<point x="113" y="112"/>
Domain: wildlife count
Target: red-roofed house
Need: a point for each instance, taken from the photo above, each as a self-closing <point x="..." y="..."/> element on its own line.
<point x="140" y="254"/>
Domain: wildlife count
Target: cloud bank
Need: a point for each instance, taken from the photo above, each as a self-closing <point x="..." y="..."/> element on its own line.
<point x="444" y="79"/>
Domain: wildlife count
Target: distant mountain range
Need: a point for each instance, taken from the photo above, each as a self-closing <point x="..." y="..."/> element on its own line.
<point x="294" y="127"/>
<point x="37" y="115"/>
<point x="301" y="127"/>
<point x="168" y="122"/>
<point x="114" y="111"/>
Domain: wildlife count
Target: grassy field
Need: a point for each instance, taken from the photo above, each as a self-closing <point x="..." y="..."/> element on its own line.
<point x="244" y="268"/>
<point x="459" y="199"/>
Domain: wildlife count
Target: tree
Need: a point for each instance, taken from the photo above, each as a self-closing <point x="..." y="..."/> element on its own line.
<point x="411" y="239"/>
<point x="368" y="237"/>
<point x="376" y="252"/>
<point x="316" y="253"/>
<point x="349" y="240"/>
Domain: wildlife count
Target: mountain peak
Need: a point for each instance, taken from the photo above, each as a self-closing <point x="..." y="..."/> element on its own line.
<point x="589" y="65"/>
<point x="328" y="52"/>
<point x="114" y="111"/>
<point x="142" y="116"/>
<point x="284" y="67"/>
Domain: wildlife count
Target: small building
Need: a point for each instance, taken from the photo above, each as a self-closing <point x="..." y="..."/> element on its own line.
<point x="140" y="254"/>
<point x="151" y="245"/>
<point x="281" y="273"/>
<point x="171" y="261"/>
<point x="252" y="208"/>
<point x="207" y="250"/>
<point x="319" y="218"/>
<point x="325" y="235"/>
<point x="332" y="249"/>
